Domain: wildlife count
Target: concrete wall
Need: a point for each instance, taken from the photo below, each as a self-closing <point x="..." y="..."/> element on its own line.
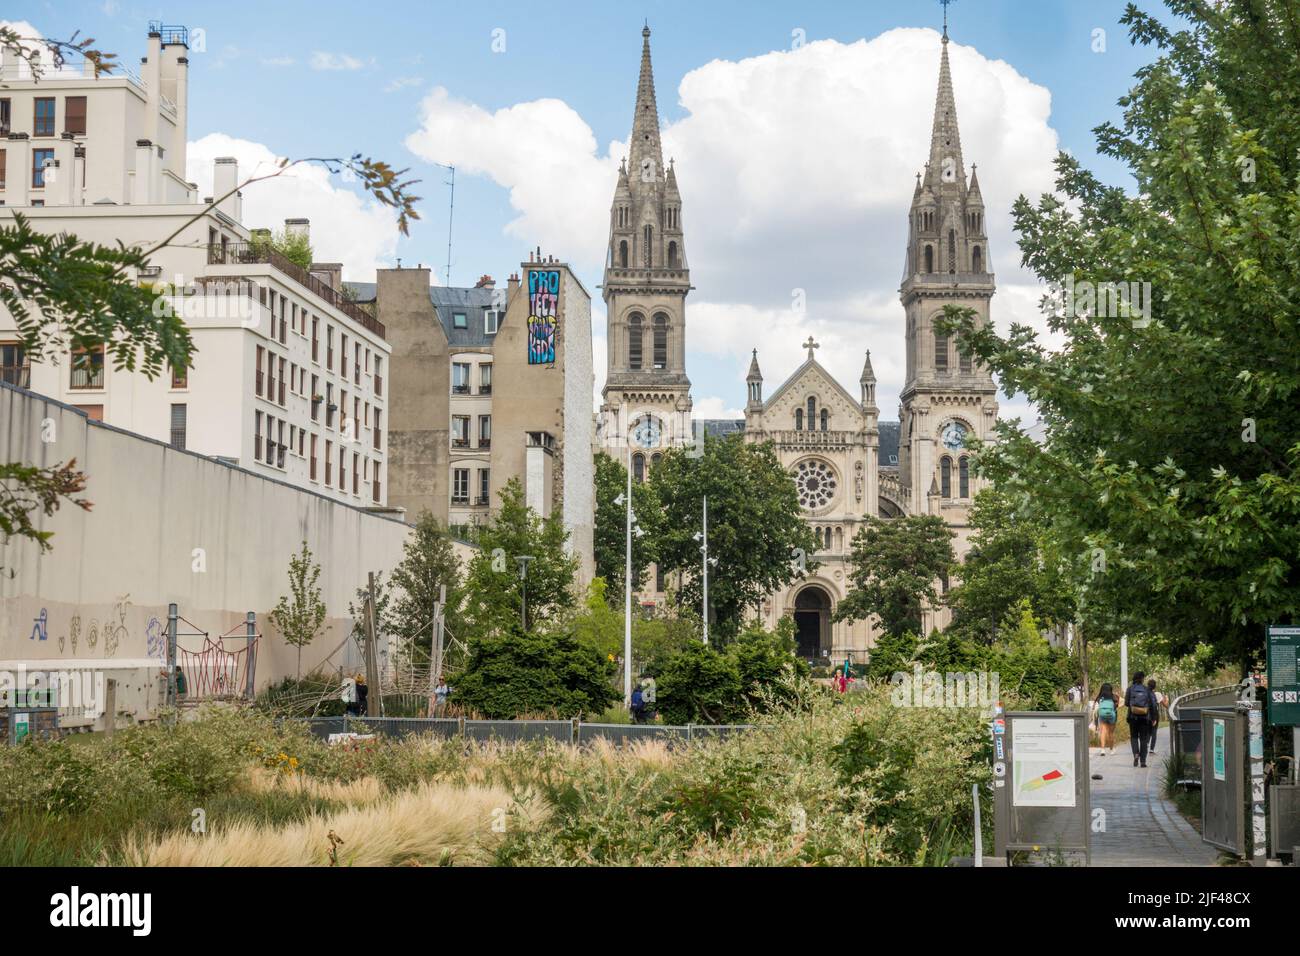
<point x="420" y="392"/>
<point x="167" y="526"/>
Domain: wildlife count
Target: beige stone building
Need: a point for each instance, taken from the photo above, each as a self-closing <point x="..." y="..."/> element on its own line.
<point x="490" y="384"/>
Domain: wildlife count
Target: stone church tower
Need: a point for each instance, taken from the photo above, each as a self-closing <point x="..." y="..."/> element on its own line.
<point x="946" y="396"/>
<point x="645" y="286"/>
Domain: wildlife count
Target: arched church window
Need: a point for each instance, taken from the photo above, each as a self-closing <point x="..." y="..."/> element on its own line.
<point x="826" y="418"/>
<point x="661" y="340"/>
<point x="622" y="253"/>
<point x="929" y="258"/>
<point x="649" y="241"/>
<point x="940" y="352"/>
<point x="964" y="359"/>
<point x="672" y="255"/>
<point x="952" y="250"/>
<point x="945" y="477"/>
<point x="963" y="479"/>
<point x="839" y="539"/>
<point x="638" y="466"/>
<point x="812" y="413"/>
<point x="656" y="457"/>
<point x="976" y="260"/>
<point x="634" y="341"/>
<point x="798" y="419"/>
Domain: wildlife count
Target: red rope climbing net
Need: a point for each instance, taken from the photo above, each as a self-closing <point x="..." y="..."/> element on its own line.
<point x="216" y="672"/>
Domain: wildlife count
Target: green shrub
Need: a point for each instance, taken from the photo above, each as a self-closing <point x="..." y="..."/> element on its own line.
<point x="535" y="673"/>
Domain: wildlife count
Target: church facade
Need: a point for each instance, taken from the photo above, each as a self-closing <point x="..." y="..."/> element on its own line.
<point x="846" y="464"/>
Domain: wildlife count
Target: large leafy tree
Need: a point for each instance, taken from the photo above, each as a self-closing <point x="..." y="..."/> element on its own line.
<point x="494" y="587"/>
<point x="610" y="538"/>
<point x="1011" y="559"/>
<point x="1171" y="466"/>
<point x="515" y="674"/>
<point x="895" y="567"/>
<point x="756" y="531"/>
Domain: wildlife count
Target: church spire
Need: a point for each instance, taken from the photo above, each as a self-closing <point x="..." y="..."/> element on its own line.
<point x="646" y="153"/>
<point x="946" y="166"/>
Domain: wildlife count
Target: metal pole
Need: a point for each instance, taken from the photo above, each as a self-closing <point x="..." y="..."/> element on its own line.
<point x="1123" y="660"/>
<point x="627" y="609"/>
<point x="706" y="570"/>
<point x="171" y="654"/>
<point x="979" y="836"/>
<point x="372" y="660"/>
<point x="250" y="630"/>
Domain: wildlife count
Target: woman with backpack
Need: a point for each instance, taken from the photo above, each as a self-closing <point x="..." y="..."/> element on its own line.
<point x="1107" y="706"/>
<point x="1140" y="702"/>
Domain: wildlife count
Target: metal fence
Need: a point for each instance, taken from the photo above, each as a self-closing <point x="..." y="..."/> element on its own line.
<point x="513" y="731"/>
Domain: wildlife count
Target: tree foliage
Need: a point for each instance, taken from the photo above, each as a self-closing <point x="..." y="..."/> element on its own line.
<point x="610" y="538"/>
<point x="1171" y="468"/>
<point x="428" y="564"/>
<point x="756" y="530"/>
<point x="895" y="566"/>
<point x="493" y="585"/>
<point x="514" y="674"/>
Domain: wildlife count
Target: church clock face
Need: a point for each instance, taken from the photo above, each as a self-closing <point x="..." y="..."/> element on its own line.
<point x="953" y="436"/>
<point x="647" y="432"/>
<point x="815" y="482"/>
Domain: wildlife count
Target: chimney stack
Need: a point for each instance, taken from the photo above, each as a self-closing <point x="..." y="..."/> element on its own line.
<point x="225" y="177"/>
<point x="485" y="282"/>
<point x="298" y="227"/>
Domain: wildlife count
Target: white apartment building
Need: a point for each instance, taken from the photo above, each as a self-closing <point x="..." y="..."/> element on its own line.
<point x="287" y="377"/>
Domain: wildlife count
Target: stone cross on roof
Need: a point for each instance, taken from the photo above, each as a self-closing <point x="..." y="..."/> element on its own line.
<point x="810" y="345"/>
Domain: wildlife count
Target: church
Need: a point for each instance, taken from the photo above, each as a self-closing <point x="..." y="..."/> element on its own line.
<point x="847" y="465"/>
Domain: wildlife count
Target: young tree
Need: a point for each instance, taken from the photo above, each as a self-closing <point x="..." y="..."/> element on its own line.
<point x="428" y="564"/>
<point x="610" y="538"/>
<point x="494" y="587"/>
<point x="1171" y="466"/>
<point x="895" y="565"/>
<point x="300" y="615"/>
<point x="757" y="533"/>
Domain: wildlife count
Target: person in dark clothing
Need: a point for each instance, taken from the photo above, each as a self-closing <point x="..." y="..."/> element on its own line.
<point x="1139" y="701"/>
<point x="363" y="694"/>
<point x="1157" y="701"/>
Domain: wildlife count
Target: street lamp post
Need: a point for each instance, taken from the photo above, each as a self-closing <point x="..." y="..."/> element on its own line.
<point x="627" y="609"/>
<point x="703" y="538"/>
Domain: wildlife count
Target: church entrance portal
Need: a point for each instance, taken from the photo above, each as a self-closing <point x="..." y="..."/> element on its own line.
<point x="812" y="620"/>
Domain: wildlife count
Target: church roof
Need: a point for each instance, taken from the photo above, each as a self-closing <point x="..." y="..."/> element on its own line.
<point x="808" y="365"/>
<point x="645" y="143"/>
<point x="448" y="300"/>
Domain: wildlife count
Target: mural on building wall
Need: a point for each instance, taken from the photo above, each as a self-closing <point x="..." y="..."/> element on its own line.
<point x="543" y="315"/>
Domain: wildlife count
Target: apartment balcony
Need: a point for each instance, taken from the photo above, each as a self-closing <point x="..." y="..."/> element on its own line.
<point x="249" y="253"/>
<point x="460" y="443"/>
<point x="460" y="390"/>
<point x="485" y="443"/>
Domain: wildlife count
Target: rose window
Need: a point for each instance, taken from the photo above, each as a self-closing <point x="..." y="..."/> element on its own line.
<point x="816" y="484"/>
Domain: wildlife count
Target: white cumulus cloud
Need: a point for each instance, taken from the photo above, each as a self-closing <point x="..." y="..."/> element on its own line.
<point x="346" y="226"/>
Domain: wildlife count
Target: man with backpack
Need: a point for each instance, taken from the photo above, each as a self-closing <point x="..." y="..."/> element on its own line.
<point x="1140" y="702"/>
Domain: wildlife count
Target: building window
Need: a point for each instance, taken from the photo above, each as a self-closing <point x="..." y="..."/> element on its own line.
<point x="945" y="477"/>
<point x="40" y="157"/>
<point x="798" y="419"/>
<point x="976" y="260"/>
<point x="460" y="486"/>
<point x="281" y="389"/>
<point x="87" y="368"/>
<point x="14" y="367"/>
<point x="378" y="431"/>
<point x="964" y="358"/>
<point x="44" y="116"/>
<point x="491" y="321"/>
<point x="485" y="378"/>
<point x="74" y="115"/>
<point x="180" y="377"/>
<point x="329" y="461"/>
<point x="952" y="250"/>
<point x="356" y="473"/>
<point x="826" y="419"/>
<point x="315" y="339"/>
<point x="315" y="398"/>
<point x="4" y="116"/>
<point x="343" y="355"/>
<point x="812" y="413"/>
<point x="622" y="254"/>
<point x="485" y="431"/>
<point x="460" y="431"/>
<point x="178" y="427"/>
<point x="672" y="254"/>
<point x="329" y="347"/>
<point x="356" y="363"/>
<point x="661" y="341"/>
<point x="649" y="239"/>
<point x="379" y="376"/>
<point x="484" y="487"/>
<point x="459" y="320"/>
<point x="460" y="378"/>
<point x="963" y="476"/>
<point x="257" y="436"/>
<point x="634" y="341"/>
<point x="929" y="258"/>
<point x="638" y="467"/>
<point x="3" y="161"/>
<point x="312" y="460"/>
<point x="343" y="470"/>
<point x="940" y="352"/>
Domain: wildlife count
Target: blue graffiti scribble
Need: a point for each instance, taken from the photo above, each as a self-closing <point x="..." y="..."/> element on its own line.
<point x="156" y="639"/>
<point x="39" y="627"/>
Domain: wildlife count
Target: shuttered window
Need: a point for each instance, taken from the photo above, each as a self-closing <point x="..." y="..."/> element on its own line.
<point x="74" y="115"/>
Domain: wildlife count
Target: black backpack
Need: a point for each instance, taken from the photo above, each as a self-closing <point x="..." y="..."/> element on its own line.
<point x="1139" y="696"/>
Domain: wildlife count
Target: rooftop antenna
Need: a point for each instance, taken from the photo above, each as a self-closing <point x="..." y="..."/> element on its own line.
<point x="451" y="210"/>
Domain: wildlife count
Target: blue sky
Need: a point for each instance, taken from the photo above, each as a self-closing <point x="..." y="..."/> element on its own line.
<point x="263" y="78"/>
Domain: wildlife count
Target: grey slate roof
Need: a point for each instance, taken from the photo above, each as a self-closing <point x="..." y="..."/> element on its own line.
<point x="448" y="300"/>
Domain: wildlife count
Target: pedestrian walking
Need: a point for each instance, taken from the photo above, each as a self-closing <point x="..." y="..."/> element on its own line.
<point x="1107" y="711"/>
<point x="648" y="697"/>
<point x="1140" y="703"/>
<point x="839" y="681"/>
<point x="363" y="694"/>
<point x="440" y="694"/>
<point x="638" y="706"/>
<point x="1158" y="700"/>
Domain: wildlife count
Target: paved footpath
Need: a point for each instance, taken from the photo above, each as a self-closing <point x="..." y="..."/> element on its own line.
<point x="1143" y="828"/>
